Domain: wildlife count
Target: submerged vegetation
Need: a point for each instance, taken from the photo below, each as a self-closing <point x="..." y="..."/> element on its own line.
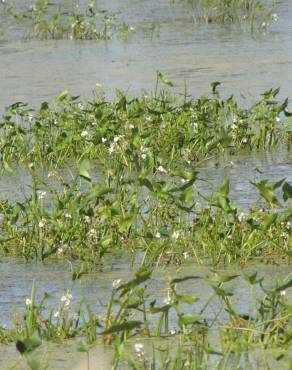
<point x="257" y="13"/>
<point x="46" y="20"/>
<point x="186" y="324"/>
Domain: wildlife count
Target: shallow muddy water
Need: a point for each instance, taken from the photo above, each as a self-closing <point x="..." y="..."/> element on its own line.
<point x="34" y="71"/>
<point x="240" y="169"/>
<point x="54" y="278"/>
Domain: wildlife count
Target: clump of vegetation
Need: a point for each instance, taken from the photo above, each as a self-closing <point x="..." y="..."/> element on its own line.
<point x="130" y="317"/>
<point x="45" y="20"/>
<point x="257" y="13"/>
<point x="142" y="132"/>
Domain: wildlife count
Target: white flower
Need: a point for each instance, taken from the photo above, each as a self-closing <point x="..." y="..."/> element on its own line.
<point x="131" y="127"/>
<point x="92" y="233"/>
<point x="241" y="217"/>
<point x="244" y="140"/>
<point x="112" y="148"/>
<point x="233" y="127"/>
<point x="132" y="28"/>
<point x="278" y="119"/>
<point x="103" y="140"/>
<point x="143" y="156"/>
<point x="56" y="314"/>
<point x="175" y="234"/>
<point x="84" y="134"/>
<point x="67" y="215"/>
<point x="283" y="293"/>
<point x="41" y="224"/>
<point x="87" y="219"/>
<point x="172" y="332"/>
<point x="274" y="17"/>
<point x="116" y="283"/>
<point x="118" y="138"/>
<point x="158" y="235"/>
<point x="60" y="250"/>
<point x="41" y="194"/>
<point x="80" y="106"/>
<point x="185" y="255"/>
<point x="30" y="117"/>
<point x="138" y="347"/>
<point x="28" y="302"/>
<point x="161" y="169"/>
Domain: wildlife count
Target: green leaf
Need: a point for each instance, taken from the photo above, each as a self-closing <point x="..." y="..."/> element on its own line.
<point x="187" y="298"/>
<point x="180" y="280"/>
<point x="287" y="191"/>
<point x="28" y="344"/>
<point x="189" y="319"/>
<point x="126" y="326"/>
<point x="269" y="220"/>
<point x="216" y="278"/>
<point x="164" y="80"/>
<point x="7" y="168"/>
<point x="83" y="168"/>
<point x="141" y="276"/>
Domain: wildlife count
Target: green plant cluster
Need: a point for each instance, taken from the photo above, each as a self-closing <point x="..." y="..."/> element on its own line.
<point x="46" y="20"/>
<point x="130" y="318"/>
<point x="257" y="13"/>
<point x="142" y="132"/>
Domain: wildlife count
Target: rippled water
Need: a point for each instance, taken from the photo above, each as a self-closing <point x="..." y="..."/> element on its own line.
<point x="34" y="71"/>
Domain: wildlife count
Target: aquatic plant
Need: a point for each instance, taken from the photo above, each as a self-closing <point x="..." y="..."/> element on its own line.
<point x="46" y="20"/>
<point x="130" y="318"/>
<point x="142" y="133"/>
<point x="257" y="14"/>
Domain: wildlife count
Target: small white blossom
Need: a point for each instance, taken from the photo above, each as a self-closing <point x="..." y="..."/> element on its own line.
<point x="118" y="138"/>
<point x="87" y="219"/>
<point x="41" y="224"/>
<point x="117" y="283"/>
<point x="138" y="347"/>
<point x="68" y="216"/>
<point x="274" y="17"/>
<point x="283" y="293"/>
<point x="60" y="250"/>
<point x="158" y="235"/>
<point x="175" y="234"/>
<point x="244" y="140"/>
<point x="241" y="217"/>
<point x="28" y="302"/>
<point x="103" y="140"/>
<point x="41" y="194"/>
<point x="85" y="134"/>
<point x="56" y="314"/>
<point x="161" y="169"/>
<point x="143" y="156"/>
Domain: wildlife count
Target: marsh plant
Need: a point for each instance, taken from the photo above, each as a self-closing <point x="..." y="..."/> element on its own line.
<point x="258" y="14"/>
<point x="142" y="132"/>
<point x="161" y="215"/>
<point x="179" y="326"/>
<point x="46" y="20"/>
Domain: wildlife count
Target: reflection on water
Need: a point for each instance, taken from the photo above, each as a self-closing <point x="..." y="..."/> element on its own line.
<point x="35" y="71"/>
